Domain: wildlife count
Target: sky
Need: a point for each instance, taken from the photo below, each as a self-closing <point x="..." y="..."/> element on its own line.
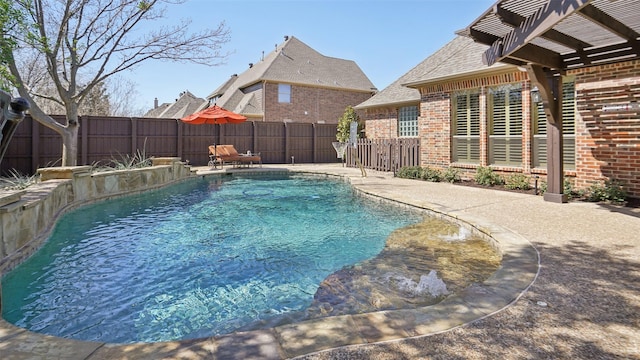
<point x="386" y="38"/>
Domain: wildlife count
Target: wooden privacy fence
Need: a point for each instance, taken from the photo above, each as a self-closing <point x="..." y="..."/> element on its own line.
<point x="102" y="139"/>
<point x="385" y="154"/>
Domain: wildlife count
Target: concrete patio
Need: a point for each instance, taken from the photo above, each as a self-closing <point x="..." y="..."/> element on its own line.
<point x="500" y="317"/>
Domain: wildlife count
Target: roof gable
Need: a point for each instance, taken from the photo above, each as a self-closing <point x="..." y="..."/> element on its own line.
<point x="460" y="57"/>
<point x="298" y="63"/>
<point x="292" y="62"/>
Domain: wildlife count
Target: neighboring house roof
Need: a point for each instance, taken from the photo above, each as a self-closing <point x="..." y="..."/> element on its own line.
<point x="185" y="105"/>
<point x="292" y="62"/>
<point x="458" y="58"/>
<point x="155" y="112"/>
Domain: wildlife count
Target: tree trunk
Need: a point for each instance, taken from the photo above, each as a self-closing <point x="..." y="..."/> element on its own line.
<point x="70" y="145"/>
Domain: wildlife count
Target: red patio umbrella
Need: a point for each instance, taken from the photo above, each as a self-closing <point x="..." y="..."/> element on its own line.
<point x="214" y="115"/>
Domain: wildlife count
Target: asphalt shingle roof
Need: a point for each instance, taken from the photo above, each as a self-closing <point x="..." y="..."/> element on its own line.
<point x="460" y="57"/>
<point x="185" y="105"/>
<point x="292" y="62"/>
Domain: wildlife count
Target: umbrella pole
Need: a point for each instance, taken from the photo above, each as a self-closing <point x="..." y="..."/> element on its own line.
<point x="215" y="149"/>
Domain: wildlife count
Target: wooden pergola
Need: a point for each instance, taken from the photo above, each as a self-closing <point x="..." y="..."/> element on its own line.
<point x="549" y="37"/>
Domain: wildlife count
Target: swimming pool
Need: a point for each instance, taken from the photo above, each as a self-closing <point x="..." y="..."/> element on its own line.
<point x="197" y="259"/>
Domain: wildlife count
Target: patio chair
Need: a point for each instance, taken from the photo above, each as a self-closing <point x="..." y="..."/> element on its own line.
<point x="220" y="154"/>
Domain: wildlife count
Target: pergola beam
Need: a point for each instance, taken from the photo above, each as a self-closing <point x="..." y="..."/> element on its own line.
<point x="628" y="50"/>
<point x="541" y="21"/>
<point x="531" y="53"/>
<point x="482" y="37"/>
<point x="541" y="79"/>
<point x="512" y="19"/>
<point x="608" y="22"/>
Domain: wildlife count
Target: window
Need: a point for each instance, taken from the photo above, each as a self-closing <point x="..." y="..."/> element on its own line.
<point x="466" y="128"/>
<point x="539" y="119"/>
<point x="505" y="125"/>
<point x="408" y="121"/>
<point x="284" y="93"/>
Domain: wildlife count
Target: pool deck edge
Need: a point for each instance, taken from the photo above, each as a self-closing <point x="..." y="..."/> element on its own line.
<point x="517" y="272"/>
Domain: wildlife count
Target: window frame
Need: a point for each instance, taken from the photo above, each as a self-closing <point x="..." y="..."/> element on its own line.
<point x="505" y="123"/>
<point x="284" y="93"/>
<point x="408" y="121"/>
<point x="465" y="140"/>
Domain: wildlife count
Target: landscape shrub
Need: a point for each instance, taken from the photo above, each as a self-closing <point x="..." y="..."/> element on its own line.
<point x="410" y="172"/>
<point x="517" y="182"/>
<point x="487" y="177"/>
<point x="451" y="175"/>
<point x="611" y="191"/>
<point x="17" y="181"/>
<point x="433" y="175"/>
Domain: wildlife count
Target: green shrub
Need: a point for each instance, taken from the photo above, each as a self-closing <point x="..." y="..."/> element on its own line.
<point x="451" y="175"/>
<point x="433" y="175"/>
<point x="517" y="182"/>
<point x="17" y="181"/>
<point x="612" y="191"/>
<point x="410" y="172"/>
<point x="486" y="177"/>
<point x="567" y="189"/>
<point x="570" y="192"/>
<point x="542" y="187"/>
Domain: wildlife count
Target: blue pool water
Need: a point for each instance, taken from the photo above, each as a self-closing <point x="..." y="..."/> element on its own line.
<point x="201" y="258"/>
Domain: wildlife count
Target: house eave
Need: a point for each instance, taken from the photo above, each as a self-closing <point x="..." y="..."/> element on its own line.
<point x="321" y="86"/>
<point x="396" y="104"/>
<point x="503" y="69"/>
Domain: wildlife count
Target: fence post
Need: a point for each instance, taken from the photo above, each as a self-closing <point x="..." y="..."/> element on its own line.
<point x="134" y="135"/>
<point x="254" y="138"/>
<point x="84" y="134"/>
<point x="314" y="146"/>
<point x="287" y="150"/>
<point x="180" y="136"/>
<point x="35" y="145"/>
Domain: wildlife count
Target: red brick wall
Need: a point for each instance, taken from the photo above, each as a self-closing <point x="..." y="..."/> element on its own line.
<point x="434" y="129"/>
<point x="435" y="119"/>
<point x="608" y="142"/>
<point x="381" y="123"/>
<point x="309" y="104"/>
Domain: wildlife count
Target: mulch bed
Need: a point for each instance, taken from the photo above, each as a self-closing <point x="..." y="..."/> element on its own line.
<point x="631" y="202"/>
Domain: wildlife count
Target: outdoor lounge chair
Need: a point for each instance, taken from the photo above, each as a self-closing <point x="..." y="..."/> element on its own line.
<point x="220" y="154"/>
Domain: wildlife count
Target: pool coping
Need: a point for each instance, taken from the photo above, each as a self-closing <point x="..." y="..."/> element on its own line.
<point x="519" y="269"/>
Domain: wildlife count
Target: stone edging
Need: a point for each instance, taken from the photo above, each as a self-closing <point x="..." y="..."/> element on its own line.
<point x="519" y="269"/>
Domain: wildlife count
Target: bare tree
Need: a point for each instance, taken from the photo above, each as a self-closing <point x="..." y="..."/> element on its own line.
<point x="122" y="93"/>
<point x="11" y="21"/>
<point x="114" y="97"/>
<point x="85" y="43"/>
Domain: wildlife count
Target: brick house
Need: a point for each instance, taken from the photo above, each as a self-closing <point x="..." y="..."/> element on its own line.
<point x="294" y="83"/>
<point x="468" y="114"/>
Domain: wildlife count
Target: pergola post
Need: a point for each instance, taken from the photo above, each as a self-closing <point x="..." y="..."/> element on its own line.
<point x="555" y="168"/>
<point x="550" y="89"/>
<point x="590" y="33"/>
